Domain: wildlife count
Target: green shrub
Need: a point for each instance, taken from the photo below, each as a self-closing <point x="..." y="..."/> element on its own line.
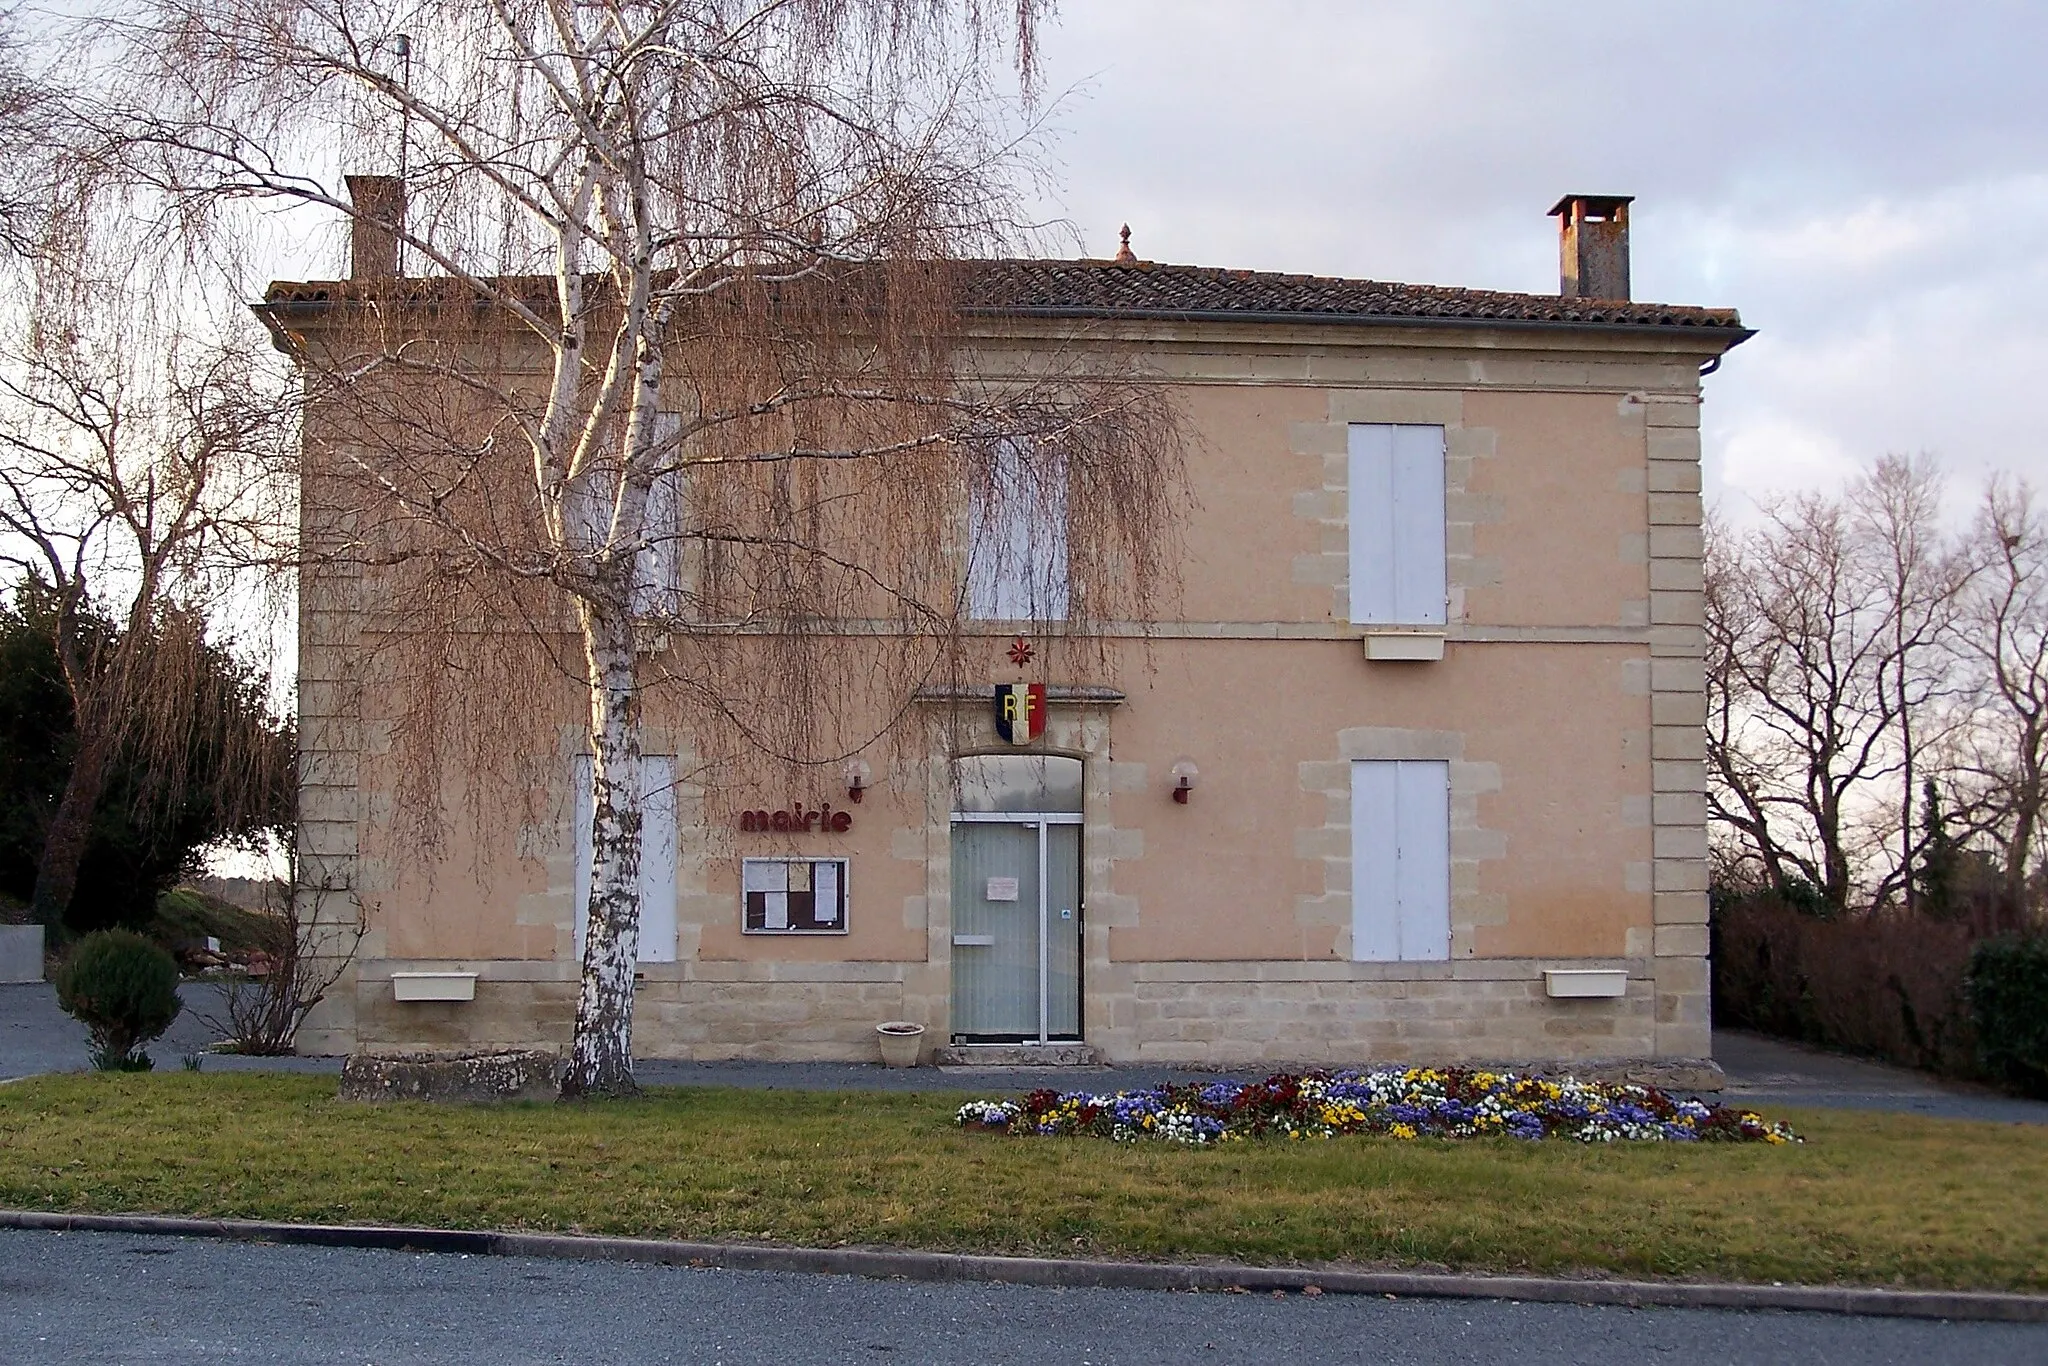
<point x="2008" y="984"/>
<point x="124" y="989"/>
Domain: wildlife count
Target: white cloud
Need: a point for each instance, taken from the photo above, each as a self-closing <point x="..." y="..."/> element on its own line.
<point x="1867" y="181"/>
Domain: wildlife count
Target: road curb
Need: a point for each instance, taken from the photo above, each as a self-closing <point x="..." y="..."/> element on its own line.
<point x="884" y="1263"/>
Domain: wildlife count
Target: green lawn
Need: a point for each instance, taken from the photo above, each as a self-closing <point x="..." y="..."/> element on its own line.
<point x="1873" y="1199"/>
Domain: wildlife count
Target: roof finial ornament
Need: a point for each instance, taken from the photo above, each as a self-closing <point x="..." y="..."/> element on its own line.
<point x="1123" y="253"/>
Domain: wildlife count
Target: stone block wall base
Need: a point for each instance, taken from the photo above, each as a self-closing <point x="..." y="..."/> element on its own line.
<point x="1017" y="1055"/>
<point x="523" y="1074"/>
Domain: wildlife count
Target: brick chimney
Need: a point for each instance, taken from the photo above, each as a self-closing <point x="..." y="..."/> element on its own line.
<point x="380" y="210"/>
<point x="1592" y="246"/>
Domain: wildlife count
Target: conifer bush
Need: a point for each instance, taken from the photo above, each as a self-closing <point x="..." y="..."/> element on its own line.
<point x="2008" y="986"/>
<point x="124" y="989"/>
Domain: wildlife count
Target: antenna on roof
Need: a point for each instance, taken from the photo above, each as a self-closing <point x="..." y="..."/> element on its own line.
<point x="401" y="45"/>
<point x="1123" y="253"/>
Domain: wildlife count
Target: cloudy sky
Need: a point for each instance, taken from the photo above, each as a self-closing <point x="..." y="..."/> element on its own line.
<point x="1867" y="182"/>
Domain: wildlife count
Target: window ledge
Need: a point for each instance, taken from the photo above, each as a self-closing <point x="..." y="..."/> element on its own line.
<point x="1417" y="646"/>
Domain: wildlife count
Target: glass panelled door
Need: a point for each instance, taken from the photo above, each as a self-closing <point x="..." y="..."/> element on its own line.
<point x="1017" y="925"/>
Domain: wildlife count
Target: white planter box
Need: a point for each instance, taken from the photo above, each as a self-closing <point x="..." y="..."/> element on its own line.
<point x="433" y="986"/>
<point x="1581" y="982"/>
<point x="1415" y="646"/>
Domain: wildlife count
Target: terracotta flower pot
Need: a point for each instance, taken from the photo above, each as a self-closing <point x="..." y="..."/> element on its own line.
<point x="901" y="1040"/>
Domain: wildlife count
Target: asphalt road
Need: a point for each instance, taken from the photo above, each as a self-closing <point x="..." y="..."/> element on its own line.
<point x="90" y="1299"/>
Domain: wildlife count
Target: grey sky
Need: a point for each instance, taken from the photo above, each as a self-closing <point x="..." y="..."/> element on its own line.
<point x="1867" y="182"/>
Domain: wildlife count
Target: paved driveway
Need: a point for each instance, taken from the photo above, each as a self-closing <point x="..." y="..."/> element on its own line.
<point x="88" y="1298"/>
<point x="1763" y="1072"/>
<point x="37" y="1037"/>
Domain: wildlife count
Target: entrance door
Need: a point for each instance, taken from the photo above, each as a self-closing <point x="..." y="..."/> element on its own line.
<point x="1017" y="927"/>
<point x="1017" y="902"/>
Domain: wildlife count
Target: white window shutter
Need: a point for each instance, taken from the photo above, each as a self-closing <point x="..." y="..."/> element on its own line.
<point x="1424" y="825"/>
<point x="658" y="860"/>
<point x="1400" y="860"/>
<point x="1419" y="525"/>
<point x="1396" y="517"/>
<point x="1371" y="514"/>
<point x="657" y="856"/>
<point x="658" y="566"/>
<point x="1017" y="541"/>
<point x="580" y="775"/>
<point x="1375" y="861"/>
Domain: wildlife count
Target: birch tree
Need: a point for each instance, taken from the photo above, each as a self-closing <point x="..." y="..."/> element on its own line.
<point x="683" y="285"/>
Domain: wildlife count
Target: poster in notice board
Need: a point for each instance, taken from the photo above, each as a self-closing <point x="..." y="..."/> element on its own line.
<point x="793" y="895"/>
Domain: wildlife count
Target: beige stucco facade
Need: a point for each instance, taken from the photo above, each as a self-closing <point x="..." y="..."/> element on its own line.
<point x="1568" y="705"/>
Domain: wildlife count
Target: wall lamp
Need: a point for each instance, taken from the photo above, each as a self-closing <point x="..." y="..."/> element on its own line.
<point x="858" y="776"/>
<point x="1184" y="775"/>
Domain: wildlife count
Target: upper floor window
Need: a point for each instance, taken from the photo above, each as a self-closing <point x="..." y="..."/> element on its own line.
<point x="1017" y="539"/>
<point x="1397" y="524"/>
<point x="658" y="577"/>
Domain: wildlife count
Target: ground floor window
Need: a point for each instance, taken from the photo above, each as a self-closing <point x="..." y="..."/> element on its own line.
<point x="1400" y="860"/>
<point x="657" y="856"/>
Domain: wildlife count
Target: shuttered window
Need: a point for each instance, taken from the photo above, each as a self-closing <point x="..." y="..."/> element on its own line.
<point x="1397" y="524"/>
<point x="658" y="565"/>
<point x="1400" y="860"/>
<point x="657" y="856"/>
<point x="1017" y="539"/>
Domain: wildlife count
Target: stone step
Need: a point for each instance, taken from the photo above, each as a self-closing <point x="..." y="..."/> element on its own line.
<point x="988" y="1055"/>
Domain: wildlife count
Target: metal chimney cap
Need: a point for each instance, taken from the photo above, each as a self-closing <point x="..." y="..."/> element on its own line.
<point x="1592" y="205"/>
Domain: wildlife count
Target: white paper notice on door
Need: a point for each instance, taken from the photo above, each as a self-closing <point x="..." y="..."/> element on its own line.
<point x="825" y="880"/>
<point x="1002" y="889"/>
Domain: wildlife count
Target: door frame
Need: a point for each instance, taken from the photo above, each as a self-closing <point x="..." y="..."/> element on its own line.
<point x="1038" y="821"/>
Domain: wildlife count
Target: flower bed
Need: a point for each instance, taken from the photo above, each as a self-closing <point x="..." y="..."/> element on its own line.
<point x="1411" y="1103"/>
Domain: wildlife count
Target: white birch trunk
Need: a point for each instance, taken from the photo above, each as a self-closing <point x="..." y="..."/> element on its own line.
<point x="605" y="520"/>
<point x="601" y="1058"/>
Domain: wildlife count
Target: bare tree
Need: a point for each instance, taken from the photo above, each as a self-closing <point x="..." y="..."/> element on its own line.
<point x="308" y="949"/>
<point x="1826" y="627"/>
<point x="1920" y="578"/>
<point x="33" y="132"/>
<point x="141" y="474"/>
<point x="685" y="367"/>
<point x="2002" y="753"/>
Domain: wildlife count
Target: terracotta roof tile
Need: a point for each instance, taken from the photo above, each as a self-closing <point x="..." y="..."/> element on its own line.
<point x="1148" y="289"/>
<point x="1145" y="289"/>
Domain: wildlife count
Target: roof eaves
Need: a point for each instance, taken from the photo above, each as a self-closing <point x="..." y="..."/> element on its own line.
<point x="1733" y="332"/>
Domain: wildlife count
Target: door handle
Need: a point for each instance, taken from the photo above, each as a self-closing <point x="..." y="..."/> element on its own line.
<point x="974" y="941"/>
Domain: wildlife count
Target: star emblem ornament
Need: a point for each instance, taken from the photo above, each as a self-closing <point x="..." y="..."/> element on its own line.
<point x="1020" y="651"/>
